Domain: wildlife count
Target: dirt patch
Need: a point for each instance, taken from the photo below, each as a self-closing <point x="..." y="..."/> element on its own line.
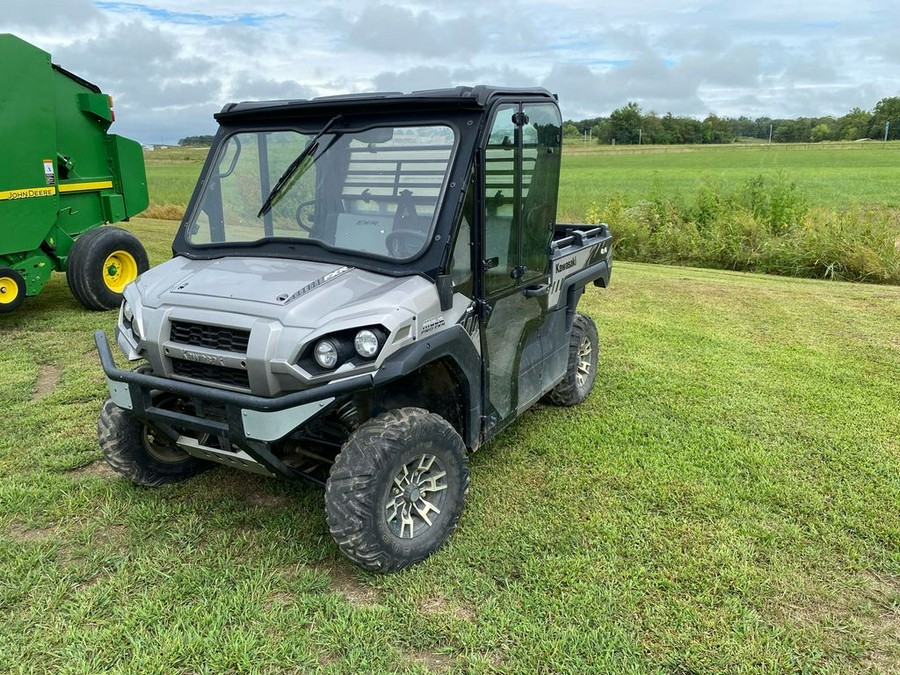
<point x="265" y="500"/>
<point x="251" y="489"/>
<point x="432" y="661"/>
<point x="70" y="557"/>
<point x="111" y="535"/>
<point x="280" y="599"/>
<point x="441" y="605"/>
<point x="343" y="581"/>
<point x="98" y="468"/>
<point x="47" y="379"/>
<point x="22" y="534"/>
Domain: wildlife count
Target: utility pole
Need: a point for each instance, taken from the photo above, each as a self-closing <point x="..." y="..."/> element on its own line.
<point x="640" y="136"/>
<point x="887" y="127"/>
<point x="770" y="133"/>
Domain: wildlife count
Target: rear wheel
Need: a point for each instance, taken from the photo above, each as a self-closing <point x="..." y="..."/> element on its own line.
<point x="135" y="451"/>
<point x="12" y="289"/>
<point x="581" y="370"/>
<point x="396" y="489"/>
<point x="102" y="262"/>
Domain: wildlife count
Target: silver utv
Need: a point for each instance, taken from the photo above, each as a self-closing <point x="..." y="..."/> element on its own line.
<point x="363" y="290"/>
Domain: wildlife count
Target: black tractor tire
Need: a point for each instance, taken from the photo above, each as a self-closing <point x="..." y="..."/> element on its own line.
<point x="12" y="290"/>
<point x="581" y="371"/>
<point x="130" y="449"/>
<point x="101" y="263"/>
<point x="397" y="488"/>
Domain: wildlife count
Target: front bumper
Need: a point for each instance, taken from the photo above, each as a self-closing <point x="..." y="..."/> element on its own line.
<point x="244" y="423"/>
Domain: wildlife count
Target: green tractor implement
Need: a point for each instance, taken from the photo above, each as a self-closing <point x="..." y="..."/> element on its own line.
<point x="61" y="179"/>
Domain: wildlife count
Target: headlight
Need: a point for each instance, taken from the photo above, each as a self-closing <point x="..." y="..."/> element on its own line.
<point x="366" y="343"/>
<point x="326" y="354"/>
<point x="128" y="320"/>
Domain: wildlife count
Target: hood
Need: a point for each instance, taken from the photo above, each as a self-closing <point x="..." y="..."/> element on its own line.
<point x="295" y="292"/>
<point x="272" y="282"/>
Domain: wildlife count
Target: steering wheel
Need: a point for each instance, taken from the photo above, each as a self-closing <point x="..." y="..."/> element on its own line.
<point x="304" y="216"/>
<point x="404" y="243"/>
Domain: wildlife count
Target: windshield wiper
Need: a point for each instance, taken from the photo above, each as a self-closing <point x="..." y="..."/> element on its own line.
<point x="293" y="166"/>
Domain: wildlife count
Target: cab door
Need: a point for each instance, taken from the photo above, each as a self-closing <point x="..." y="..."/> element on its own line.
<point x="519" y="174"/>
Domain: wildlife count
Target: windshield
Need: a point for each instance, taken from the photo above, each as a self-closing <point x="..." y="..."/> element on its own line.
<point x="374" y="192"/>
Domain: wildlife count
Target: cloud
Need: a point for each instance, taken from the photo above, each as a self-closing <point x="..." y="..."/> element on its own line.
<point x="647" y="80"/>
<point x="248" y="87"/>
<point x="154" y="81"/>
<point x="167" y="126"/>
<point x="738" y="65"/>
<point x="172" y="63"/>
<point x="68" y="14"/>
<point x="388" y="29"/>
<point x="437" y="77"/>
<point x="149" y="54"/>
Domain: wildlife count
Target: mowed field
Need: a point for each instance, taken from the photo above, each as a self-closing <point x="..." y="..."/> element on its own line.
<point x="725" y="501"/>
<point x="832" y="175"/>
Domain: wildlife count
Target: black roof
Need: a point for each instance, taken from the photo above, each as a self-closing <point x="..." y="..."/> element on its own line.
<point x="472" y="98"/>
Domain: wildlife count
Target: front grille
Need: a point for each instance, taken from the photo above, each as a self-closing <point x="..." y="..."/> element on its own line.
<point x="207" y="372"/>
<point x="211" y="337"/>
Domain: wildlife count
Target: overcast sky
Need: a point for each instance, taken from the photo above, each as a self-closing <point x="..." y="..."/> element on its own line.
<point x="170" y="64"/>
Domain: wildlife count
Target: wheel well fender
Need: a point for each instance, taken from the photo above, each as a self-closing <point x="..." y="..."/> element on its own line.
<point x="441" y="373"/>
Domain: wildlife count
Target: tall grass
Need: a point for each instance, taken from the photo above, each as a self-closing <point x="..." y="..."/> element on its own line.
<point x="764" y="224"/>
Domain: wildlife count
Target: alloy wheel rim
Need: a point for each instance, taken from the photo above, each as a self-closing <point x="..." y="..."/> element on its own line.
<point x="583" y="369"/>
<point x="416" y="497"/>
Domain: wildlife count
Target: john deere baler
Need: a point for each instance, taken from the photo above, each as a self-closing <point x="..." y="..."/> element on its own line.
<point x="62" y="177"/>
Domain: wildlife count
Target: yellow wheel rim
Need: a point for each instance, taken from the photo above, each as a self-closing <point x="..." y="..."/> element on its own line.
<point x="9" y="290"/>
<point x="119" y="270"/>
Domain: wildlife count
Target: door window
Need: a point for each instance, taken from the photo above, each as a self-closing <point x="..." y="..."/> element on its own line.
<point x="521" y="183"/>
<point x="500" y="231"/>
<point x="541" y="144"/>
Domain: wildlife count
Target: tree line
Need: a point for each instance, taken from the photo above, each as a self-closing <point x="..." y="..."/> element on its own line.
<point x="630" y="125"/>
<point x="195" y="142"/>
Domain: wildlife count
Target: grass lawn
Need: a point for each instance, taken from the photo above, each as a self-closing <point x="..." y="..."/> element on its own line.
<point x="171" y="175"/>
<point x="835" y="176"/>
<point x="728" y="500"/>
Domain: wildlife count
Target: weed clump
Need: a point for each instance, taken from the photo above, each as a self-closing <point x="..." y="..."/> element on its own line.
<point x="763" y="225"/>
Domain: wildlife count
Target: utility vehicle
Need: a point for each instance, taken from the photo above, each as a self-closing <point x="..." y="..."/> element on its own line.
<point x="363" y="289"/>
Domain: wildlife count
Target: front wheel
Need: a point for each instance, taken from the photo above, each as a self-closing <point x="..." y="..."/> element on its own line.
<point x="397" y="488"/>
<point x="133" y="450"/>
<point x="12" y="289"/>
<point x="101" y="263"/>
<point x="581" y="370"/>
